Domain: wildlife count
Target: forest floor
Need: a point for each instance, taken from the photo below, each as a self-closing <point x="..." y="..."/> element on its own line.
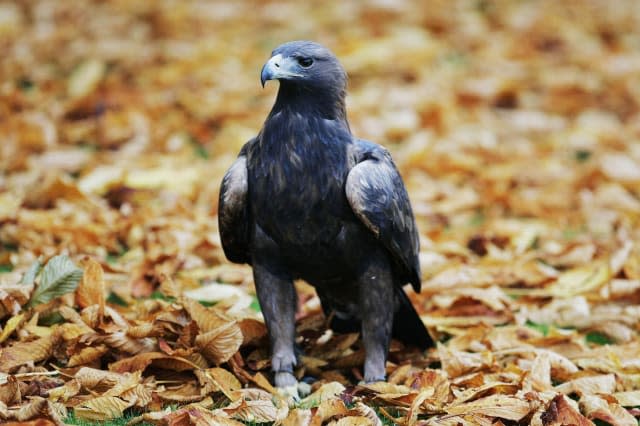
<point x="515" y="124"/>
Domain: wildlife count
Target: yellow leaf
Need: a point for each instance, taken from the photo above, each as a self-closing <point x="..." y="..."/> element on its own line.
<point x="101" y="408"/>
<point x="628" y="399"/>
<point x="219" y="379"/>
<point x="605" y="383"/>
<point x="352" y="421"/>
<point x="325" y="392"/>
<point x="298" y="417"/>
<point x="258" y="411"/>
<point x="580" y="280"/>
<point x="501" y="406"/>
<point x="85" y="78"/>
<point x="11" y="326"/>
<point x="66" y="391"/>
<point x="87" y="355"/>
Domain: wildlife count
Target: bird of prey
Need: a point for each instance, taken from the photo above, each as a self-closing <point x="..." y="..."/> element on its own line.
<point x="306" y="199"/>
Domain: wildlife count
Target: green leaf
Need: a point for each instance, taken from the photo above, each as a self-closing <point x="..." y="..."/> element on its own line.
<point x="5" y="267"/>
<point x="582" y="155"/>
<point x="59" y="276"/>
<point x="114" y="299"/>
<point x="50" y="319"/>
<point x="255" y="305"/>
<point x="598" y="338"/>
<point x="30" y="276"/>
<point x="25" y="84"/>
<point x="157" y="295"/>
<point x="198" y="149"/>
<point x="542" y="328"/>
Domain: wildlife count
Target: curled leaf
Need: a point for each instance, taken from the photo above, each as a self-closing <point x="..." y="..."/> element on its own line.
<point x="219" y="344"/>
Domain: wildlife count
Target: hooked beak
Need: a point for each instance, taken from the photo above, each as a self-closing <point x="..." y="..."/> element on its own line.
<point x="278" y="68"/>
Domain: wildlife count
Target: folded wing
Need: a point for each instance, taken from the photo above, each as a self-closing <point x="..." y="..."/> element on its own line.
<point x="378" y="197"/>
<point x="233" y="213"/>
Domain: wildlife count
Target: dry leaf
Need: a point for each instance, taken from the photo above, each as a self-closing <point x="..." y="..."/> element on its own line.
<point x="219" y="344"/>
<point x="101" y="408"/>
<point x="29" y="352"/>
<point x="91" y="289"/>
<point x="501" y="406"/>
<point x="589" y="385"/>
<point x="597" y="408"/>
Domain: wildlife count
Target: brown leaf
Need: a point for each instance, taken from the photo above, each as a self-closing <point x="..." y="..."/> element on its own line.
<point x="87" y="355"/>
<point x="97" y="380"/>
<point x="120" y="341"/>
<point x="68" y="390"/>
<point x="101" y="408"/>
<point x="139" y="395"/>
<point x="39" y="407"/>
<point x="218" y="379"/>
<point x="26" y="352"/>
<point x="456" y="363"/>
<point x="257" y="411"/>
<point x="559" y="413"/>
<point x="252" y="330"/>
<point x="501" y="406"/>
<point x="91" y="289"/>
<point x="187" y="392"/>
<point x="10" y="391"/>
<point x="142" y="361"/>
<point x="208" y="319"/>
<point x="219" y="344"/>
<point x="597" y="408"/>
<point x="325" y="392"/>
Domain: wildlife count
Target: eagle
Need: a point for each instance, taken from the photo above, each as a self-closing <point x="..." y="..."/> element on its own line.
<point x="306" y="199"/>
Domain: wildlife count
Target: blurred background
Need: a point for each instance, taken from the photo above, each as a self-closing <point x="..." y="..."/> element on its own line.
<point x="514" y="122"/>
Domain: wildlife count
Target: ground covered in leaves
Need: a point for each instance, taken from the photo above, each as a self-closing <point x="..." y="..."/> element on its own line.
<point x="516" y="125"/>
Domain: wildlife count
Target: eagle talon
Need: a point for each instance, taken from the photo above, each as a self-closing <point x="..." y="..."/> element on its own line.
<point x="285" y="379"/>
<point x="290" y="393"/>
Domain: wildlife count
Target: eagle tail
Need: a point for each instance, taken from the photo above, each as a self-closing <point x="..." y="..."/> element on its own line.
<point x="407" y="325"/>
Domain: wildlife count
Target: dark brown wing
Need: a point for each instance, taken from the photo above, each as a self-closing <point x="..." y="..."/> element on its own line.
<point x="378" y="197"/>
<point x="233" y="212"/>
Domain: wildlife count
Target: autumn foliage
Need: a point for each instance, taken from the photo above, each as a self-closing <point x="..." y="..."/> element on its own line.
<point x="515" y="124"/>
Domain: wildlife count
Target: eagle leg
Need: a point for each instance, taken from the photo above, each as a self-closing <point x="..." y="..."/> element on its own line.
<point x="277" y="297"/>
<point x="376" y="307"/>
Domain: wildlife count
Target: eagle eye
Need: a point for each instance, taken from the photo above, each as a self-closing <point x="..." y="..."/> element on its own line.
<point x="305" y="62"/>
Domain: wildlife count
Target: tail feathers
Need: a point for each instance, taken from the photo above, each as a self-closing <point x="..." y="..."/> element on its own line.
<point x="407" y="325"/>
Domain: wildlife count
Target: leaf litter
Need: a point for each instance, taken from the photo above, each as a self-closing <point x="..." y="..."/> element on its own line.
<point x="515" y="125"/>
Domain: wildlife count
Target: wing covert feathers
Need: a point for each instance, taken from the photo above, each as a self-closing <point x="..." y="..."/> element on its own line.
<point x="377" y="196"/>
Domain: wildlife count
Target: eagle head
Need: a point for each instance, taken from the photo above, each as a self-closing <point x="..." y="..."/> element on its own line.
<point x="305" y="64"/>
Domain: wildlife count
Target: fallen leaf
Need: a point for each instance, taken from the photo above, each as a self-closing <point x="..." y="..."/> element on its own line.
<point x="501" y="406"/>
<point x="219" y="344"/>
